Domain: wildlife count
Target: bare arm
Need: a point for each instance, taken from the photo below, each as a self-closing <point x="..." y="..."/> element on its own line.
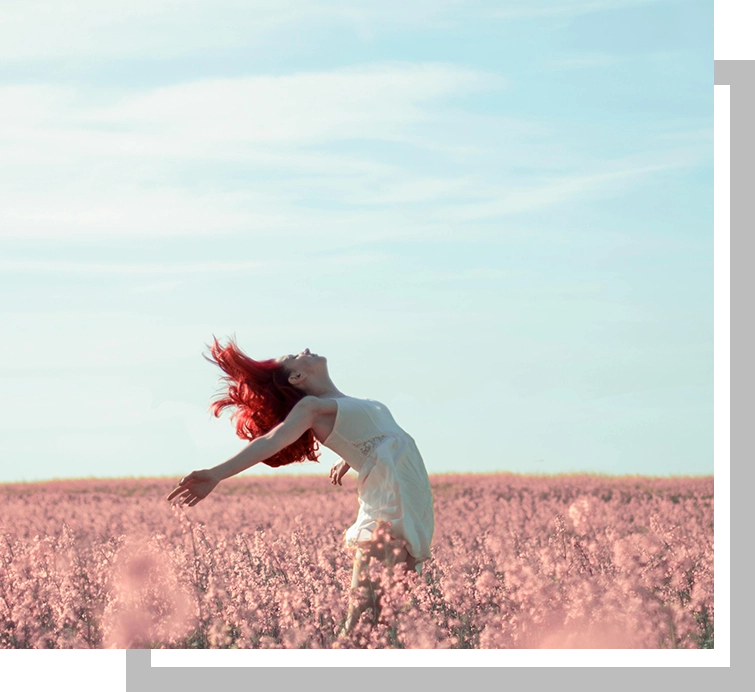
<point x="301" y="419"/>
<point x="198" y="484"/>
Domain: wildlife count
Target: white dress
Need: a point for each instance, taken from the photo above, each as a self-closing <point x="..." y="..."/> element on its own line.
<point x="393" y="484"/>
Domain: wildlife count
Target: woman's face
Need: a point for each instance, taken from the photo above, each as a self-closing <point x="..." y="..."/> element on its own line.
<point x="305" y="362"/>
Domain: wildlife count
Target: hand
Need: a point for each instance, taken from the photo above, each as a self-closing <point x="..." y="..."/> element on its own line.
<point x="338" y="472"/>
<point x="194" y="487"/>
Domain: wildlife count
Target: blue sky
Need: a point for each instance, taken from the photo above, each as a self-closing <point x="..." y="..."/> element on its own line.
<point x="496" y="218"/>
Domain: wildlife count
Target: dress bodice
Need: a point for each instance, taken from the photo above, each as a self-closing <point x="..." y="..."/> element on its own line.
<point x="361" y="425"/>
<point x="393" y="484"/>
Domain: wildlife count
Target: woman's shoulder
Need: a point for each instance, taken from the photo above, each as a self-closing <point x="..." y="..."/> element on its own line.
<point x="318" y="404"/>
<point x="330" y="405"/>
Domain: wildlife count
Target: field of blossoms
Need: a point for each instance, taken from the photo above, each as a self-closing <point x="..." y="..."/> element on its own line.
<point x="519" y="562"/>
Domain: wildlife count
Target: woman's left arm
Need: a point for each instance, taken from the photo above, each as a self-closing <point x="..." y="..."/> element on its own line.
<point x="299" y="420"/>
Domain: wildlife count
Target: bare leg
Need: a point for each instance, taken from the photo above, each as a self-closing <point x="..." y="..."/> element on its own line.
<point x="405" y="557"/>
<point x="359" y="603"/>
<point x="361" y="562"/>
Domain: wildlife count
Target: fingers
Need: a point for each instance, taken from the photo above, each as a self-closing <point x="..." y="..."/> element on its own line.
<point x="180" y="488"/>
<point x="176" y="491"/>
<point x="189" y="499"/>
<point x="182" y="484"/>
<point x="181" y="495"/>
<point x="338" y="471"/>
<point x="184" y="493"/>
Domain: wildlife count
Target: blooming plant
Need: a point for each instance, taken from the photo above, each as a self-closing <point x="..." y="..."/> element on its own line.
<point x="518" y="562"/>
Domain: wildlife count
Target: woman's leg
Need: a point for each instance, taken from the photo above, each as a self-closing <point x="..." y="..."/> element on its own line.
<point x="358" y="603"/>
<point x="403" y="557"/>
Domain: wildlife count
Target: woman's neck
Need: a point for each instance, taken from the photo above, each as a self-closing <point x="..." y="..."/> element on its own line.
<point x="323" y="390"/>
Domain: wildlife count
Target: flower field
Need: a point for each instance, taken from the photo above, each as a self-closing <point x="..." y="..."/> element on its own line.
<point x="519" y="562"/>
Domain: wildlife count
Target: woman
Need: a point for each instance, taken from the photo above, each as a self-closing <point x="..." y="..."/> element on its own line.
<point x="287" y="406"/>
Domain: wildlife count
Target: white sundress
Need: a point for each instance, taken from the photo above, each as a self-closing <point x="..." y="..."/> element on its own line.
<point x="393" y="484"/>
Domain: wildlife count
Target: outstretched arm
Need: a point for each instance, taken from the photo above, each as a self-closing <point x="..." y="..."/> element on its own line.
<point x="198" y="484"/>
<point x="297" y="422"/>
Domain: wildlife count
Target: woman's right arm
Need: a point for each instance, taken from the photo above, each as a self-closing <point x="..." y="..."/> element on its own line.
<point x="338" y="471"/>
<point x="299" y="420"/>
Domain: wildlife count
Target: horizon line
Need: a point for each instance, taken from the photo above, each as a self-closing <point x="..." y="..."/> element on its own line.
<point x="562" y="474"/>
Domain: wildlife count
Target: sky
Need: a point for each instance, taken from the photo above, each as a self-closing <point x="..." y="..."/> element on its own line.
<point x="494" y="217"/>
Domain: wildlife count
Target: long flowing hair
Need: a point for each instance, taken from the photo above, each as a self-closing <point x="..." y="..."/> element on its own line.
<point x="262" y="397"/>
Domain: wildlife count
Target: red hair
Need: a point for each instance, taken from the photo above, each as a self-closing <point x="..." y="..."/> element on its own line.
<point x="262" y="396"/>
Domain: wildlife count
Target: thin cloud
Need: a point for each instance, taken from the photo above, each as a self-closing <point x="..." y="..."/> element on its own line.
<point x="584" y="62"/>
<point x="371" y="102"/>
<point x="462" y="277"/>
<point x="534" y="9"/>
<point x="108" y="269"/>
<point x="260" y="120"/>
<point x="76" y="165"/>
<point x="518" y="199"/>
<point x="31" y="30"/>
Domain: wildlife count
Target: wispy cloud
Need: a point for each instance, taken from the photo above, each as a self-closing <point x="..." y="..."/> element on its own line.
<point x="32" y="30"/>
<point x="160" y="269"/>
<point x="220" y="119"/>
<point x="73" y="166"/>
<point x="535" y="196"/>
<point x="583" y="62"/>
<point x="371" y="100"/>
<point x="461" y="277"/>
<point x="262" y="155"/>
<point x="538" y="9"/>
